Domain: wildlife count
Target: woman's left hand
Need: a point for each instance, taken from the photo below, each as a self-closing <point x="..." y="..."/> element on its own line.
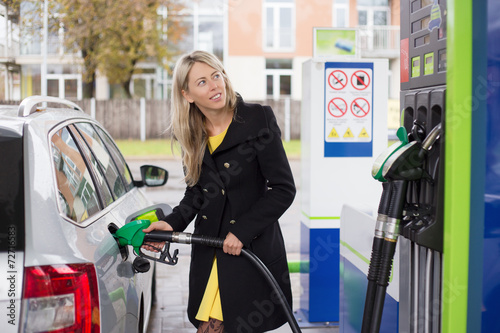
<point x="232" y="245"/>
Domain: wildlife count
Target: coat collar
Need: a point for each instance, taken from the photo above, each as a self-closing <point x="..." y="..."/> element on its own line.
<point x="248" y="123"/>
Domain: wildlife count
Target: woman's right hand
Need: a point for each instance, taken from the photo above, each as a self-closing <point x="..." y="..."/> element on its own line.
<point x="156" y="246"/>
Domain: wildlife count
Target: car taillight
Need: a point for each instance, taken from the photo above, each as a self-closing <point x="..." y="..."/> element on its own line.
<point x="61" y="298"/>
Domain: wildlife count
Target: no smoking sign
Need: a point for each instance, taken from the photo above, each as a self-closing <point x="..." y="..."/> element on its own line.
<point x="337" y="80"/>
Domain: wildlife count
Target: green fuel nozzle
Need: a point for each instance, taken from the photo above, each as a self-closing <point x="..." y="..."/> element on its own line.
<point x="406" y="163"/>
<point x="132" y="234"/>
<point x="379" y="163"/>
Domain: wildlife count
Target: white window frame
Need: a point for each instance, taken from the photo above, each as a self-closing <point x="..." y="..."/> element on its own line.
<point x="336" y="7"/>
<point x="370" y="13"/>
<point x="276" y="74"/>
<point x="150" y="81"/>
<point x="61" y="78"/>
<point x="276" y="6"/>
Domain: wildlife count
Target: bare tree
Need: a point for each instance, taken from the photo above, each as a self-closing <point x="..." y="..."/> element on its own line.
<point x="112" y="36"/>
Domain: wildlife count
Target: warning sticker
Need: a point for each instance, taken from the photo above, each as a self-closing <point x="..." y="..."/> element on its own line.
<point x="337" y="80"/>
<point x="405" y="60"/>
<point x="337" y="107"/>
<point x="360" y="107"/>
<point x="360" y="80"/>
<point x="333" y="134"/>
<point x="363" y="134"/>
<point x="348" y="133"/>
<point x="348" y="103"/>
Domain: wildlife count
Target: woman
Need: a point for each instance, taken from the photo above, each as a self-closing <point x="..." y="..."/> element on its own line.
<point x="239" y="183"/>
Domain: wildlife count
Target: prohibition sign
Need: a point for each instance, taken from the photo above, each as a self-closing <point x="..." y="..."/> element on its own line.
<point x="360" y="107"/>
<point x="360" y="80"/>
<point x="337" y="80"/>
<point x="337" y="107"/>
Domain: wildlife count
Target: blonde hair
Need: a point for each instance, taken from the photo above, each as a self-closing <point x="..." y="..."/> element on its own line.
<point x="187" y="125"/>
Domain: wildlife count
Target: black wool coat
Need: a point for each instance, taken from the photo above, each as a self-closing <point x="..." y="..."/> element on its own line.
<point x="245" y="185"/>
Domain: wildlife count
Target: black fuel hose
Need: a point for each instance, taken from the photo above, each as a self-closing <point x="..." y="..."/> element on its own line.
<point x="391" y="234"/>
<point x="187" y="238"/>
<point x="376" y="256"/>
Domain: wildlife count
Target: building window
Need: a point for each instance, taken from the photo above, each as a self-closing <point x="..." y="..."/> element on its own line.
<point x="203" y="21"/>
<point x="373" y="19"/>
<point x="340" y="13"/>
<point x="204" y="24"/>
<point x="279" y="25"/>
<point x="143" y="83"/>
<point x="278" y="78"/>
<point x="373" y="12"/>
<point x="60" y="82"/>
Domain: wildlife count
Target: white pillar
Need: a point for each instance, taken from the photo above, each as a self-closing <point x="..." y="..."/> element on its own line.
<point x="44" y="49"/>
<point x="6" y="54"/>
<point x="143" y="119"/>
<point x="287" y="119"/>
<point x="92" y="107"/>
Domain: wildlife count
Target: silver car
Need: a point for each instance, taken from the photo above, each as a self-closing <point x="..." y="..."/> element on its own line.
<point x="64" y="187"/>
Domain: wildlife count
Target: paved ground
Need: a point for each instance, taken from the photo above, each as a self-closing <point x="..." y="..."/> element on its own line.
<point x="169" y="313"/>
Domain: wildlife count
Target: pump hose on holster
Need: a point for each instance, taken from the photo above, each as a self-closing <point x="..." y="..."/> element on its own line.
<point x="376" y="257"/>
<point x="186" y="238"/>
<point x="403" y="166"/>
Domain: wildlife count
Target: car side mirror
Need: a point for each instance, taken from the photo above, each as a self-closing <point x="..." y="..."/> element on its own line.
<point x="153" y="176"/>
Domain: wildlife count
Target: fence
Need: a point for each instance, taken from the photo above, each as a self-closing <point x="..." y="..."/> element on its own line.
<point x="149" y="119"/>
<point x="124" y="119"/>
<point x="143" y="119"/>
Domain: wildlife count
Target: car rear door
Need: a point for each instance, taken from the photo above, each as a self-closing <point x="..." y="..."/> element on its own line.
<point x="109" y="187"/>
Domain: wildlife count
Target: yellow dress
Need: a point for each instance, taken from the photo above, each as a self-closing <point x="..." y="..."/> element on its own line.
<point x="210" y="306"/>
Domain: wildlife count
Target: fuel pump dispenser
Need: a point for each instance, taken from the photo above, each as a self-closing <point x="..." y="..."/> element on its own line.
<point x="423" y="96"/>
<point x="414" y="175"/>
<point x="412" y="200"/>
<point x="445" y="276"/>
<point x="449" y="66"/>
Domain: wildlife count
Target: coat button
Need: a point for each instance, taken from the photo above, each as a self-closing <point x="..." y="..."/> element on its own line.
<point x="204" y="217"/>
<point x="205" y="190"/>
<point x="223" y="192"/>
<point x="227" y="165"/>
<point x="232" y="221"/>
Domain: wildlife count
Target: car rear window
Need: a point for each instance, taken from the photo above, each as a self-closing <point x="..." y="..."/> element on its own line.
<point x="93" y="163"/>
<point x="78" y="197"/>
<point x="90" y="170"/>
<point x="117" y="158"/>
<point x="11" y="191"/>
<point x="106" y="161"/>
